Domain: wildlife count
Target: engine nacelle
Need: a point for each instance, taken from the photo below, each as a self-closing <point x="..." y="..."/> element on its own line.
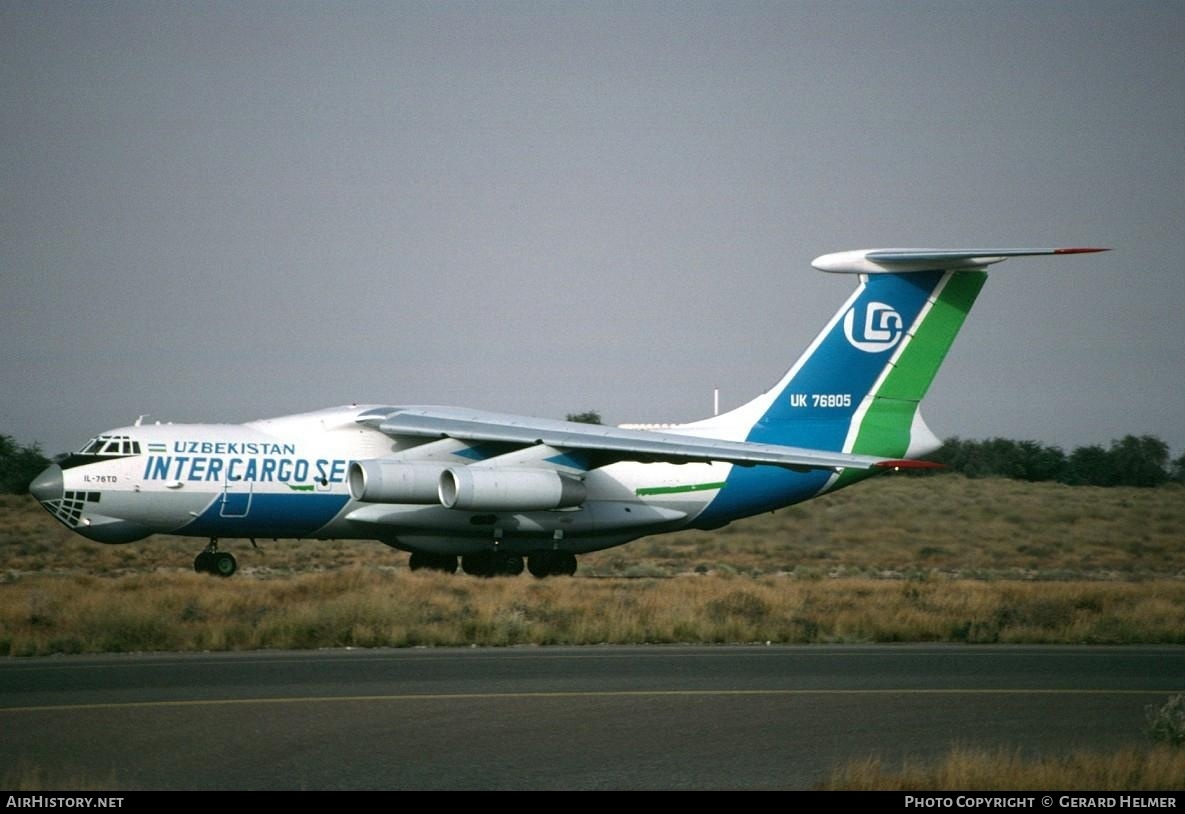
<point x="506" y="489"/>
<point x="381" y="481"/>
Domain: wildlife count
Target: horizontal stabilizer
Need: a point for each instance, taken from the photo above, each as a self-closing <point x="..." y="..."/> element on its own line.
<point x="897" y="261"/>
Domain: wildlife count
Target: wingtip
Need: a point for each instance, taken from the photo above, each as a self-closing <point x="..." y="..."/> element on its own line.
<point x="1079" y="251"/>
<point x="909" y="464"/>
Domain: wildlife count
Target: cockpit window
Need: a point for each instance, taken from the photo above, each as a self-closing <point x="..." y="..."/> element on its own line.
<point x="109" y="445"/>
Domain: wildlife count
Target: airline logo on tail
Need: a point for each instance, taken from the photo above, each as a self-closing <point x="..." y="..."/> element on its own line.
<point x="882" y="329"/>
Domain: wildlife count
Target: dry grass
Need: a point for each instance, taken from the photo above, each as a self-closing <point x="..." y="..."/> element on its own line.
<point x="1160" y="768"/>
<point x="888" y="526"/>
<point x="25" y="776"/>
<point x="368" y="607"/>
<point x="895" y="559"/>
<point x="32" y="542"/>
<point x="977" y="528"/>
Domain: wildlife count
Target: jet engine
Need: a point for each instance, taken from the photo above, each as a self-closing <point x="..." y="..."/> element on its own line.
<point x="381" y="481"/>
<point x="473" y="488"/>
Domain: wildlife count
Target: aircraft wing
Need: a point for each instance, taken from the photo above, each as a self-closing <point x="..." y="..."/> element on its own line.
<point x="610" y="443"/>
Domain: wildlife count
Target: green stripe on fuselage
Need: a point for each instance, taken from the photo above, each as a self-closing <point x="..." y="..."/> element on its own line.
<point x="670" y="490"/>
<point x="885" y="427"/>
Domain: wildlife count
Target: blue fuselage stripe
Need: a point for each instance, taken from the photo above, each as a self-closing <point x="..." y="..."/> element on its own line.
<point x="266" y="515"/>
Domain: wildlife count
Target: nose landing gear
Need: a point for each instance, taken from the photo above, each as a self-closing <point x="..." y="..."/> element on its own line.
<point x="213" y="561"/>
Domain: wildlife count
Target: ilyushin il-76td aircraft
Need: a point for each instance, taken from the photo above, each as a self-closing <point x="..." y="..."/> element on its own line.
<point x="501" y="492"/>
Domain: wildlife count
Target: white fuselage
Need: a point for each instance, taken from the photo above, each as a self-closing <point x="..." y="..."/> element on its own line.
<point x="288" y="477"/>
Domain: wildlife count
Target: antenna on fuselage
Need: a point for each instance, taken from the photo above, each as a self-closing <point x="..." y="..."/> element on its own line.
<point x="140" y="420"/>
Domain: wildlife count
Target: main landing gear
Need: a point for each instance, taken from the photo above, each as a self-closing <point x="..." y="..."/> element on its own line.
<point x="551" y="564"/>
<point x="492" y="564"/>
<point x="213" y="561"/>
<point x="499" y="563"/>
<point x="425" y="561"/>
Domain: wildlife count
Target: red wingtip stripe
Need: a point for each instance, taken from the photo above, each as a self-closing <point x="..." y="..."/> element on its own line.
<point x="1078" y="251"/>
<point x="909" y="465"/>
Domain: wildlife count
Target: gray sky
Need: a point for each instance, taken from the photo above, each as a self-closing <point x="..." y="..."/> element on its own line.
<point x="220" y="212"/>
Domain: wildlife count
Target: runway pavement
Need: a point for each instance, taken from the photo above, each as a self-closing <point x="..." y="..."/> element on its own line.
<point x="594" y="717"/>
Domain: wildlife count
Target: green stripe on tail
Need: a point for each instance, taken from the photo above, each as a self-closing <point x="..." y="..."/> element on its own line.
<point x="885" y="427"/>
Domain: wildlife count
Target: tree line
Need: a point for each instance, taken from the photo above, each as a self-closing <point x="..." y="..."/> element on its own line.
<point x="1133" y="460"/>
<point x="19" y="465"/>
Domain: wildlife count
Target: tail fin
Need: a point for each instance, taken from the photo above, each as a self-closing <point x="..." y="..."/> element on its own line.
<point x="858" y="385"/>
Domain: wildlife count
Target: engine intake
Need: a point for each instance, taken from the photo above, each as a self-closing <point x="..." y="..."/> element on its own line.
<point x="380" y="481"/>
<point x="473" y="488"/>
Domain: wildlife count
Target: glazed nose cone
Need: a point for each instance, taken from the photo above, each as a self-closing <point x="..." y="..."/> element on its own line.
<point x="48" y="485"/>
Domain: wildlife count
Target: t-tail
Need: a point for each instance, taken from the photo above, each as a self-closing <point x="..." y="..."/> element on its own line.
<point x="858" y="385"/>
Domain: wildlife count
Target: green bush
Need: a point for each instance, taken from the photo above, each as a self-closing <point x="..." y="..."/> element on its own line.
<point x="1167" y="722"/>
<point x="19" y="465"/>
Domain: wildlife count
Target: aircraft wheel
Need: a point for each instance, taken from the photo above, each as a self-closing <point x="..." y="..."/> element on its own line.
<point x="480" y="564"/>
<point x="565" y="564"/>
<point x="510" y="564"/>
<point x="551" y="564"/>
<point x="224" y="564"/>
<point x="539" y="564"/>
<point x="469" y="564"/>
<point x="432" y="562"/>
<point x="203" y="563"/>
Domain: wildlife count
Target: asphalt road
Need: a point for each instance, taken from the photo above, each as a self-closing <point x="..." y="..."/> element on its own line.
<point x="598" y="717"/>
